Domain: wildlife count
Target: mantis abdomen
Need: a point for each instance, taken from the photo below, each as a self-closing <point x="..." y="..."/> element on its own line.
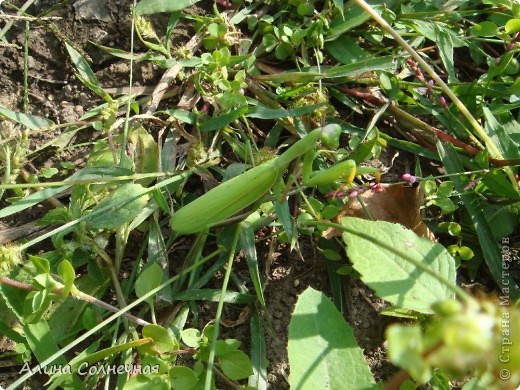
<point x="226" y="199"/>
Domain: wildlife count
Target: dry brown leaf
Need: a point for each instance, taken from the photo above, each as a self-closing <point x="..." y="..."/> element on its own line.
<point x="243" y="317"/>
<point x="397" y="203"/>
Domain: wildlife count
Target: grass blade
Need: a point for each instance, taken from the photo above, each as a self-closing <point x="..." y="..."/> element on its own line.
<point x="490" y="248"/>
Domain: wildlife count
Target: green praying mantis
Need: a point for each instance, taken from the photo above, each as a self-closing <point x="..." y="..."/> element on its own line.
<point x="243" y="190"/>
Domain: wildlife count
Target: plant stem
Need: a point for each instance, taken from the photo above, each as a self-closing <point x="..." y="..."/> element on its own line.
<point x="480" y="131"/>
<point x="78" y="294"/>
<point x="137" y="176"/>
<point x="104" y="323"/>
<point x="211" y="358"/>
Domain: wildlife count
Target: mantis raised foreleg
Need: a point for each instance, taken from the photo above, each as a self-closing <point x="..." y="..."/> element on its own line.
<point x="243" y="190"/>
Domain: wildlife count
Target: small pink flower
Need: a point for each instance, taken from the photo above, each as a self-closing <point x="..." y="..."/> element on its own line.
<point x="379" y="188"/>
<point x="430" y="87"/>
<point x="409" y="178"/>
<point x="419" y="75"/>
<point x="443" y="103"/>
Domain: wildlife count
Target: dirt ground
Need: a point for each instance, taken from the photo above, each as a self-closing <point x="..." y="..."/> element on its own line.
<point x="55" y="93"/>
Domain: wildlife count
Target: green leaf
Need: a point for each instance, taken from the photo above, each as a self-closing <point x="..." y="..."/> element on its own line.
<point x="512" y="26"/>
<point x="32" y="122"/>
<point x="445" y="204"/>
<point x="294" y="77"/>
<point x="247" y="245"/>
<point x="358" y="67"/>
<point x="191" y="337"/>
<point x="284" y="215"/>
<point x="182" y="377"/>
<point x="164" y="340"/>
<point x="127" y="201"/>
<point x="146" y="153"/>
<point x="223" y="120"/>
<point x="236" y="365"/>
<point x="48" y="172"/>
<point x="67" y="319"/>
<point x="40" y="196"/>
<point x="148" y="7"/>
<point x="346" y="50"/>
<point x="148" y="382"/>
<point x="149" y="279"/>
<point x="258" y="351"/>
<point x="323" y="353"/>
<point x="41" y="264"/>
<point x="340" y="25"/>
<point x="104" y="353"/>
<point x="445" y="188"/>
<point x="331" y="255"/>
<point x="85" y="72"/>
<point x="497" y="183"/>
<point x="490" y="248"/>
<point x="226" y="346"/>
<point x="67" y="274"/>
<point x="484" y="29"/>
<point x="43" y="345"/>
<point x="283" y="50"/>
<point x="182" y="115"/>
<point x="445" y="45"/>
<point x="406" y="348"/>
<point x="330" y="211"/>
<point x="263" y="112"/>
<point x="269" y="41"/>
<point x="386" y="270"/>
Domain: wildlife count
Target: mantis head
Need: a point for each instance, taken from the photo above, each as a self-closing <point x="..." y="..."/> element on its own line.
<point x="330" y="135"/>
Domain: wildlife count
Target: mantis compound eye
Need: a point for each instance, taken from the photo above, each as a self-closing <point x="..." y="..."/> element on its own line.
<point x="330" y="135"/>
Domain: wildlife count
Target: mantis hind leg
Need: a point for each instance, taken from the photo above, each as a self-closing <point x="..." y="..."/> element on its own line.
<point x="346" y="170"/>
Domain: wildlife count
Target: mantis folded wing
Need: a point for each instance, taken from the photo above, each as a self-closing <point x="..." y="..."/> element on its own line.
<point x="243" y="190"/>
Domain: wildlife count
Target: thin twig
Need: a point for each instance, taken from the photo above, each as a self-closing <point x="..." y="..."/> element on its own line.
<point x="78" y="294"/>
<point x="29" y="18"/>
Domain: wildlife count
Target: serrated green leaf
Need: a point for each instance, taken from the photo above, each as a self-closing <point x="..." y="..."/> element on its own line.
<point x="323" y="353"/>
<point x="389" y="273"/>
